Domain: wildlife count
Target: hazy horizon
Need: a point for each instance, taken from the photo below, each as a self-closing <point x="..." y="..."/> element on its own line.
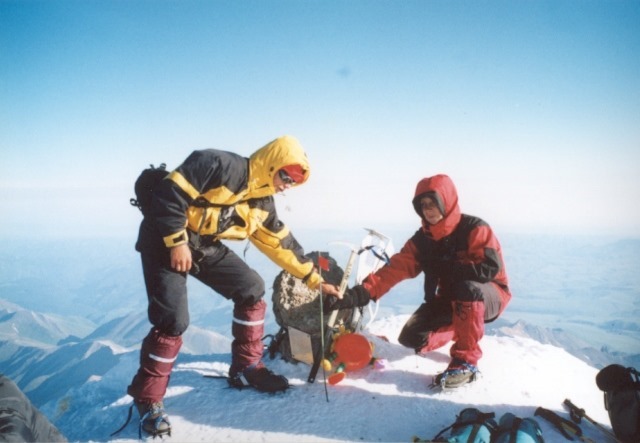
<point x="531" y="107"/>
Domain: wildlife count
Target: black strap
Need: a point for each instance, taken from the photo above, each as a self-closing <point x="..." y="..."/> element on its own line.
<point x="125" y="423"/>
<point x="317" y="359"/>
<point x="566" y="427"/>
<point x="135" y="203"/>
<point x="483" y="418"/>
<point x="515" y="425"/>
<point x="442" y="432"/>
<point x="276" y="340"/>
<point x="380" y="256"/>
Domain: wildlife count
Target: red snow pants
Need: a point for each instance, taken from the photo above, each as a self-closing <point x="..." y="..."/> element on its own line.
<point x="460" y="316"/>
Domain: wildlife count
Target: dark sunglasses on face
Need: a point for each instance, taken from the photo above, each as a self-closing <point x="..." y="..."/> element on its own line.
<point x="285" y="177"/>
<point x="428" y="205"/>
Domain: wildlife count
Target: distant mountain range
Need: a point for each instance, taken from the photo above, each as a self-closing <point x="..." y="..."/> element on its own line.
<point x="72" y="312"/>
<point x="46" y="354"/>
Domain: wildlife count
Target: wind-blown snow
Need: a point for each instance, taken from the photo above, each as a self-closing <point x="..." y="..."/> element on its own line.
<point x="390" y="404"/>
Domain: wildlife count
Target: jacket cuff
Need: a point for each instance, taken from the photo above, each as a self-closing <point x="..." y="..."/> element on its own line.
<point x="176" y="239"/>
<point x="312" y="280"/>
<point x="369" y="285"/>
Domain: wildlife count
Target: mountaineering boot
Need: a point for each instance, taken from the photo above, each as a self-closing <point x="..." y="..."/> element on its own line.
<point x="153" y="419"/>
<point x="247" y="368"/>
<point x="259" y="378"/>
<point x="468" y="327"/>
<point x="457" y="374"/>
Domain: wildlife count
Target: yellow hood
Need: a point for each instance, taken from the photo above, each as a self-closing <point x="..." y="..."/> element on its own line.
<point x="268" y="160"/>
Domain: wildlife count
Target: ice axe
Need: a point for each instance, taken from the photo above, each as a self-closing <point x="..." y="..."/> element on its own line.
<point x="334" y="313"/>
<point x="366" y="265"/>
<point x="577" y="414"/>
<point x="376" y="248"/>
<point x="371" y="263"/>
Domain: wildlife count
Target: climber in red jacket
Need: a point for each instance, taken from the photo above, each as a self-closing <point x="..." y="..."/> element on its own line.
<point x="465" y="281"/>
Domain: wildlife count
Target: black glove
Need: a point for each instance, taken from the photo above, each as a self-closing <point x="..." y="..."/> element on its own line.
<point x="352" y="298"/>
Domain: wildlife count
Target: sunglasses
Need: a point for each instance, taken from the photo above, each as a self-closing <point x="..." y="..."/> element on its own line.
<point x="428" y="205"/>
<point x="285" y="177"/>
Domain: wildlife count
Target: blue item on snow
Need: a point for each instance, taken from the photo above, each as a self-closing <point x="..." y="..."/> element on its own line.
<point x="512" y="429"/>
<point x="471" y="426"/>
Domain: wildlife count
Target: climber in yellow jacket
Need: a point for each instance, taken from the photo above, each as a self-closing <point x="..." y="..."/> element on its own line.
<point x="216" y="195"/>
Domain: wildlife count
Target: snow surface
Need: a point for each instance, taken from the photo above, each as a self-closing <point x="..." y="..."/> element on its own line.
<point x="53" y="294"/>
<point x="392" y="404"/>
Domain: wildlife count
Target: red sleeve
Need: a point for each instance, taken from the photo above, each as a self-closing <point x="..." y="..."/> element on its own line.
<point x="483" y="261"/>
<point x="402" y="266"/>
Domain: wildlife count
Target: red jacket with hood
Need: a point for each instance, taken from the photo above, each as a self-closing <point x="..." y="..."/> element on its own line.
<point x="459" y="247"/>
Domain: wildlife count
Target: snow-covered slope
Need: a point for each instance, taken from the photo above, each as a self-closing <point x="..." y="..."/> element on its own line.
<point x="391" y="404"/>
<point x="25" y="326"/>
<point x="131" y="329"/>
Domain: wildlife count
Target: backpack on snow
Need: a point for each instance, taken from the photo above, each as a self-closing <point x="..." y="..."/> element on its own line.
<point x="471" y="426"/>
<point x="294" y="342"/>
<point x="512" y="429"/>
<point x="621" y="387"/>
<point x="474" y="426"/>
<point x="146" y="182"/>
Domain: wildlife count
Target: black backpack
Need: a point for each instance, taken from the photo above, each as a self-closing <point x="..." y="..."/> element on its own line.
<point x="146" y="182"/>
<point x="621" y="388"/>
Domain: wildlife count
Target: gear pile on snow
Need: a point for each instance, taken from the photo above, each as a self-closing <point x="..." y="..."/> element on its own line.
<point x="474" y="426"/>
<point x="297" y="312"/>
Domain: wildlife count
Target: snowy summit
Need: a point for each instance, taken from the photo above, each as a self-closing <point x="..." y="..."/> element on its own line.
<point x="392" y="404"/>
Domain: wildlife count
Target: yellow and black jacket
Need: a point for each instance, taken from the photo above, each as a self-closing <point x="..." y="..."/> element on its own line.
<point x="220" y="195"/>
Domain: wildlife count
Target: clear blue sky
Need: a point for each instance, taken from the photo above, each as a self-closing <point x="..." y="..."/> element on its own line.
<point x="533" y="108"/>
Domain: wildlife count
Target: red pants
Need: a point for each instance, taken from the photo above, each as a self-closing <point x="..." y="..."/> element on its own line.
<point x="459" y="316"/>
